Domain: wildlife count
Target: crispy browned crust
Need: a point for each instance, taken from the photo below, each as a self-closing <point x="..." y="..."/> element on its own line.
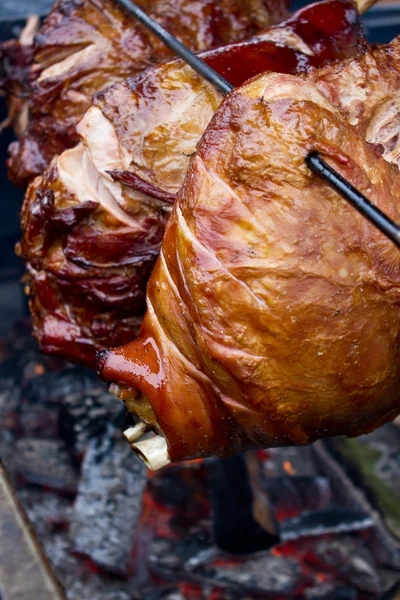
<point x="86" y="273"/>
<point x="368" y="92"/>
<point x="113" y="46"/>
<point x="274" y="309"/>
<point x="159" y="117"/>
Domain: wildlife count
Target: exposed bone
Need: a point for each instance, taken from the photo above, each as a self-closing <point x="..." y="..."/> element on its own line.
<point x="135" y="433"/>
<point x="153" y="452"/>
<point x="141" y="408"/>
<point x="123" y="392"/>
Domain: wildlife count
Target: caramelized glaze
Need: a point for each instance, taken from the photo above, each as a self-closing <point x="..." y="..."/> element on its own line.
<point x="96" y="271"/>
<point x="274" y="305"/>
<point x="85" y="46"/>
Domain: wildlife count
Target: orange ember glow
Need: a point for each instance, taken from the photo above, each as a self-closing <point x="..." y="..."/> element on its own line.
<point x="39" y="369"/>
<point x="287" y="465"/>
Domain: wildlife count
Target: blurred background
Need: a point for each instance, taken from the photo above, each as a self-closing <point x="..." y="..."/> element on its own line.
<point x="330" y="514"/>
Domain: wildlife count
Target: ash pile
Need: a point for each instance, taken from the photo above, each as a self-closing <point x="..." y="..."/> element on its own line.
<point x="320" y="522"/>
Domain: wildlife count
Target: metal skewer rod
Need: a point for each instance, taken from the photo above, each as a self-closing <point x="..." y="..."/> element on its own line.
<point x="315" y="163"/>
<point x="178" y="48"/>
<point x="371" y="212"/>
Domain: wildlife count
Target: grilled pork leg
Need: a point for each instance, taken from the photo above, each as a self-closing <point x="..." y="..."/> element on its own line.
<point x="273" y="311"/>
<point x="87" y="45"/>
<point x="88" y="277"/>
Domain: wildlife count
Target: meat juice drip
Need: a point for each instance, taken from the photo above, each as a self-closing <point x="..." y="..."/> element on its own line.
<point x="148" y="374"/>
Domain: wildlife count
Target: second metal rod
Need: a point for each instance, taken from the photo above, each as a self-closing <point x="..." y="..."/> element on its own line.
<point x="371" y="212"/>
<point x="178" y="48"/>
<point x="364" y="206"/>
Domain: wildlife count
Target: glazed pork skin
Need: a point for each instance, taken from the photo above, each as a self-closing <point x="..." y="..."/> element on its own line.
<point x="88" y="281"/>
<point x="85" y="46"/>
<point x="274" y="308"/>
<point x="368" y="93"/>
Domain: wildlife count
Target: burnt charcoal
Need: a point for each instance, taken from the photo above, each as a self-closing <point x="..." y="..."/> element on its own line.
<point x="385" y="548"/>
<point x="10" y="400"/>
<point x="108" y="504"/>
<point x="44" y="462"/>
<point x="20" y="411"/>
<point x="7" y="450"/>
<point x="261" y="574"/>
<point x="43" y="386"/>
<point x="298" y="494"/>
<point x="49" y="511"/>
<point x="170" y="558"/>
<point x="350" y="560"/>
<point x="163" y="593"/>
<point x="46" y="397"/>
<point x="264" y="574"/>
<point x="291" y="480"/>
<point x="10" y="395"/>
<point x="296" y="461"/>
<point x="235" y="529"/>
<point x="320" y="522"/>
<point x="204" y="557"/>
<point x="87" y="409"/>
<point x="373" y="462"/>
<point x="40" y="403"/>
<point x="31" y="386"/>
<point x="181" y="488"/>
<point x="331" y="591"/>
<point x="43" y="390"/>
<point x="169" y="489"/>
<point x="393" y="593"/>
<point x="164" y="559"/>
<point x="175" y="593"/>
<point x="80" y="582"/>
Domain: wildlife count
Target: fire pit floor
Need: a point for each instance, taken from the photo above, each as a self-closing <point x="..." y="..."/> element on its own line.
<point x="115" y="532"/>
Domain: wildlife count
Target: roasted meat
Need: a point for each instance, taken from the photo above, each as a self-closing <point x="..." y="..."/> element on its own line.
<point x="16" y="57"/>
<point x="94" y="222"/>
<point x="87" y="45"/>
<point x="273" y="312"/>
<point x="368" y="93"/>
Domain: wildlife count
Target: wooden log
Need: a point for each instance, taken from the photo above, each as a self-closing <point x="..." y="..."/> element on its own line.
<point x="25" y="572"/>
